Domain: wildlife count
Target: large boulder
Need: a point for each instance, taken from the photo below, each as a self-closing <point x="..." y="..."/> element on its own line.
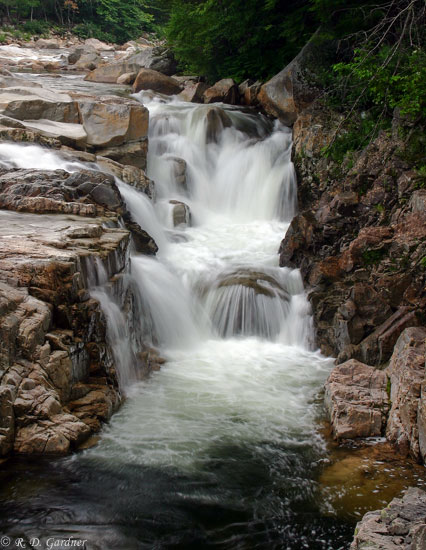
<point x="147" y="79"/>
<point x="225" y="91"/>
<point x="356" y="400"/>
<point x="98" y="45"/>
<point x="286" y="94"/>
<point x="126" y="78"/>
<point x="38" y="103"/>
<point x="88" y="61"/>
<point x="111" y="121"/>
<point x="194" y="92"/>
<point x="48" y="43"/>
<point x="155" y="58"/>
<point x="78" y="52"/>
<point x="407" y="372"/>
<point x="402" y="524"/>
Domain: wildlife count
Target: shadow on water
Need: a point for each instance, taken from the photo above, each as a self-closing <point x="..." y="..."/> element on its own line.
<point x="241" y="498"/>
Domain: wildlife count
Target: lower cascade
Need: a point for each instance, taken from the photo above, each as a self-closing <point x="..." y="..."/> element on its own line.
<point x="219" y="448"/>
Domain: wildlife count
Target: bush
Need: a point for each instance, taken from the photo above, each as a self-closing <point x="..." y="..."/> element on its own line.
<point x="36" y="27"/>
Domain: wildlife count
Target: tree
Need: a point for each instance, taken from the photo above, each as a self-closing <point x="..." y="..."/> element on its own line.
<point x="237" y="38"/>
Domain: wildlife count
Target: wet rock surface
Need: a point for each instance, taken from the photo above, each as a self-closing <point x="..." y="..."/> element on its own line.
<point x="52" y="332"/>
<point x="402" y="524"/>
<point x="58" y="382"/>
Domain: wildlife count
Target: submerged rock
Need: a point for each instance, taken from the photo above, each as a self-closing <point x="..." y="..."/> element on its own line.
<point x="181" y="214"/>
<point x="216" y="121"/>
<point x="179" y="170"/>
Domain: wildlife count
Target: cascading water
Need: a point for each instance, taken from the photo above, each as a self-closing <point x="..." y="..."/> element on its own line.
<point x="219" y="448"/>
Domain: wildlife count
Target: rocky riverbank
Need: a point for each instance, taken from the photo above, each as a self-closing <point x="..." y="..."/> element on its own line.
<point x="360" y="242"/>
<point x="58" y="381"/>
<point x="402" y="524"/>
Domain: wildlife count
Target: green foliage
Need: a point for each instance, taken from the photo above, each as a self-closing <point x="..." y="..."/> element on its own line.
<point x="355" y="135"/>
<point x="237" y="38"/>
<point x="3" y="38"/>
<point x="91" y="30"/>
<point x="36" y="27"/>
<point x="111" y="20"/>
<point x="125" y="20"/>
<point x="387" y="81"/>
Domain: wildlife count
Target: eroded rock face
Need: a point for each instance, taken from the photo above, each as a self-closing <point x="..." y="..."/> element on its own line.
<point x="129" y="174"/>
<point x="358" y="240"/>
<point x="356" y="400"/>
<point x="407" y="374"/>
<point x="110" y="125"/>
<point x="402" y="524"/>
<point x="53" y="334"/>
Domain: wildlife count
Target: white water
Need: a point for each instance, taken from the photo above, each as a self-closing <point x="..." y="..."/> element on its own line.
<point x="240" y="368"/>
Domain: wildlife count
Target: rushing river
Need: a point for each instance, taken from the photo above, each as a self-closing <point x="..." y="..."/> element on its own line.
<point x="220" y="448"/>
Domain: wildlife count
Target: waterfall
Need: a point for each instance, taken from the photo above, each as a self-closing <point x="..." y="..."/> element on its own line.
<point x="219" y="447"/>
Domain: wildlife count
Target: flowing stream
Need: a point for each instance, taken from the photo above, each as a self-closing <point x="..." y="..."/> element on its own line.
<point x="220" y="448"/>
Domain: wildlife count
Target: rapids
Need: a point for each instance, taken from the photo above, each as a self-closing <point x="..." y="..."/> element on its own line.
<point x="220" y="448"/>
